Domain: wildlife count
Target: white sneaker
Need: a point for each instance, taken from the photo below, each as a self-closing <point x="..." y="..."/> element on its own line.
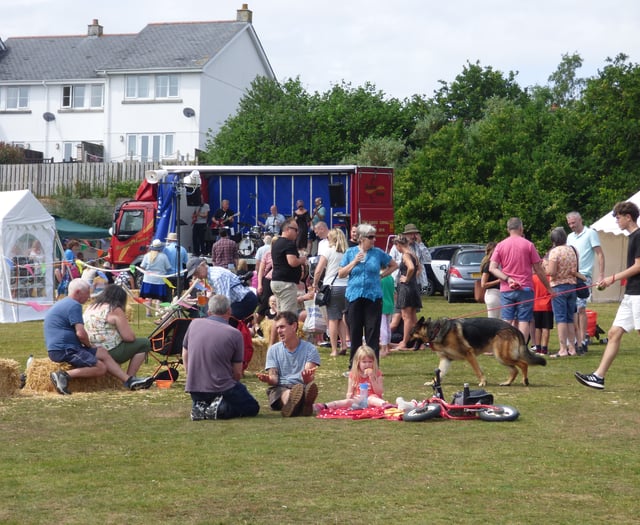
<point x="405" y="405"/>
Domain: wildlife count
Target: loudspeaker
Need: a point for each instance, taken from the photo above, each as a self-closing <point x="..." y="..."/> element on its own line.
<point x="336" y="195"/>
<point x="194" y="198"/>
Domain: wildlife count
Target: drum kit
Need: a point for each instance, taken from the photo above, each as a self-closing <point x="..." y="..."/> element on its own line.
<point x="251" y="240"/>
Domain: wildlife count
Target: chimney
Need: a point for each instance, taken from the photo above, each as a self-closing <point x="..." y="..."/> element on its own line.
<point x="94" y="29"/>
<point x="244" y="14"/>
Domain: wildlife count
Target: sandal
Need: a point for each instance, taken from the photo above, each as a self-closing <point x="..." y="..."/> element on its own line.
<point x="558" y="354"/>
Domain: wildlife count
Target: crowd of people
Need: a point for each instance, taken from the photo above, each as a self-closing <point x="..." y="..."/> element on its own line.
<point x="372" y="294"/>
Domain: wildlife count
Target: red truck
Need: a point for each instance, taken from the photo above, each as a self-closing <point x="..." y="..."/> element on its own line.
<point x="351" y="194"/>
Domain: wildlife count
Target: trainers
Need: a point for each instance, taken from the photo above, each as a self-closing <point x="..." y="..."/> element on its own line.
<point x="295" y="398"/>
<point x="212" y="410"/>
<point x="139" y="383"/>
<point x="590" y="380"/>
<point x="310" y="395"/>
<point x="198" y="410"/>
<point x="60" y="380"/>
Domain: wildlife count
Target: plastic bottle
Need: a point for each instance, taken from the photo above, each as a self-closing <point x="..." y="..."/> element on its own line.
<point x="465" y="393"/>
<point x="29" y="361"/>
<point x="363" y="401"/>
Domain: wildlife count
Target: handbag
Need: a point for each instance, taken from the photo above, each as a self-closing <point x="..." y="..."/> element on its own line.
<point x="478" y="291"/>
<point x="315" y="321"/>
<point x="582" y="290"/>
<point x="323" y="295"/>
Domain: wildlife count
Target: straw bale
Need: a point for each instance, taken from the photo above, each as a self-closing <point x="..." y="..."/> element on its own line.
<point x="260" y="347"/>
<point x="39" y="380"/>
<point x="9" y="377"/>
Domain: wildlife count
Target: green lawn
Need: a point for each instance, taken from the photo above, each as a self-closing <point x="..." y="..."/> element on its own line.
<point x="135" y="457"/>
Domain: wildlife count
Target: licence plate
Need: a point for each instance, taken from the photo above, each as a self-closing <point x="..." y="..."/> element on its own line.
<point x="476" y="275"/>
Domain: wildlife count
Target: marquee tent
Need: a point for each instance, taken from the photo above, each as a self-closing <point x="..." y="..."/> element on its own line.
<point x="614" y="245"/>
<point x="26" y="277"/>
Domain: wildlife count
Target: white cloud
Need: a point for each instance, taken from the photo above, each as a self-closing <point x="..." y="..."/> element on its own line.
<point x="402" y="46"/>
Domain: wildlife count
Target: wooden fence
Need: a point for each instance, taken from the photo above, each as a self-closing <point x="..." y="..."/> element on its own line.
<point x="46" y="180"/>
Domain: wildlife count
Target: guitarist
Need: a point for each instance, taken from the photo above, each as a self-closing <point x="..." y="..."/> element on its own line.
<point x="223" y="218"/>
<point x="199" y="222"/>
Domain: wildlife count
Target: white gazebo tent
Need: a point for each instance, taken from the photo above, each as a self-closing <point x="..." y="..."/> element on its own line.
<point x="614" y="245"/>
<point x="26" y="280"/>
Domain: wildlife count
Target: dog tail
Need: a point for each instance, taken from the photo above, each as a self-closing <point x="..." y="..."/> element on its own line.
<point x="527" y="355"/>
<point x="531" y="357"/>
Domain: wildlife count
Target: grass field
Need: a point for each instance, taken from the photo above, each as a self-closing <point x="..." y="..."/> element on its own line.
<point x="135" y="457"/>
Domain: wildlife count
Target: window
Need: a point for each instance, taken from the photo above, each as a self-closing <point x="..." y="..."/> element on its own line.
<point x="166" y="86"/>
<point x="138" y="87"/>
<point x="147" y="148"/>
<point x="150" y="86"/>
<point x="18" y="97"/>
<point x="80" y="96"/>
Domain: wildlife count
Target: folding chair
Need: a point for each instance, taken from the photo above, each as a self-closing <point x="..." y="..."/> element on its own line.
<point x="166" y="347"/>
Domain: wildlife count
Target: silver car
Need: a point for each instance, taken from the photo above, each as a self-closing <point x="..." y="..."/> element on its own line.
<point x="462" y="273"/>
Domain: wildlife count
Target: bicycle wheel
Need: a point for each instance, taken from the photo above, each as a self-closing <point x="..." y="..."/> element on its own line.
<point x="499" y="413"/>
<point x="422" y="413"/>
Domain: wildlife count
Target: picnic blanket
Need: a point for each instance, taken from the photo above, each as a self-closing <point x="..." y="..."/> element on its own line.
<point x="392" y="414"/>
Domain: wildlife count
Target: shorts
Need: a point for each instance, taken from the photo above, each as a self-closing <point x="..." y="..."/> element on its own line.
<point x="564" y="303"/>
<point x="274" y="394"/>
<point x="543" y="319"/>
<point x="628" y="315"/>
<point x="126" y="350"/>
<point x="78" y="357"/>
<point x="286" y="294"/>
<point x="517" y="305"/>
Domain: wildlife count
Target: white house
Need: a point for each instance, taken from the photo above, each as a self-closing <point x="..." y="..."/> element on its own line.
<point x="148" y="96"/>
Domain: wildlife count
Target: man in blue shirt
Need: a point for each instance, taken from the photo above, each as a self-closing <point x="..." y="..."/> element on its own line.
<point x="68" y="342"/>
<point x="171" y="250"/>
<point x="291" y="365"/>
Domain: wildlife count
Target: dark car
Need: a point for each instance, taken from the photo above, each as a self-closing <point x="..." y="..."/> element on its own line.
<point x="462" y="273"/>
<point x="437" y="269"/>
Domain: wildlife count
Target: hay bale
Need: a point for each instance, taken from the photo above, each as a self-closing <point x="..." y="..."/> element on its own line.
<point x="39" y="380"/>
<point x="260" y="347"/>
<point x="9" y="377"/>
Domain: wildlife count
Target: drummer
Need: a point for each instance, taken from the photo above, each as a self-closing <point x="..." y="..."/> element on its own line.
<point x="274" y="221"/>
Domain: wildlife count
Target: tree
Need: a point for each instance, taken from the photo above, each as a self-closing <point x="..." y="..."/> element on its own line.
<point x="466" y="97"/>
<point x="566" y="86"/>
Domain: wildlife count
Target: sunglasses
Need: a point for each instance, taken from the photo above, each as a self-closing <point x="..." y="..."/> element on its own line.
<point x="371" y="237"/>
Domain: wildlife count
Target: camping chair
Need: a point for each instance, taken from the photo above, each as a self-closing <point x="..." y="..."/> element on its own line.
<point x="166" y="347"/>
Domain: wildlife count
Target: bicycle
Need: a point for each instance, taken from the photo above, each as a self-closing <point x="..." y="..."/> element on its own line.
<point x="468" y="404"/>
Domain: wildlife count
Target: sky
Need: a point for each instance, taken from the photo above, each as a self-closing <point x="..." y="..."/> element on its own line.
<point x="403" y="47"/>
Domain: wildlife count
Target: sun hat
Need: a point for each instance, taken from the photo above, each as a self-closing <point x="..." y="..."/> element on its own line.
<point x="157" y="245"/>
<point x="193" y="263"/>
<point x="173" y="236"/>
<point x="411" y="228"/>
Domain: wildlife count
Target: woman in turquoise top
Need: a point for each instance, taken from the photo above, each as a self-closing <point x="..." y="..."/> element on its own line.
<point x="365" y="265"/>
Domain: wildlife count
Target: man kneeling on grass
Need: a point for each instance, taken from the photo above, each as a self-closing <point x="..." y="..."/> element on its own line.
<point x="291" y="366"/>
<point x="68" y="342"/>
<point x="212" y="353"/>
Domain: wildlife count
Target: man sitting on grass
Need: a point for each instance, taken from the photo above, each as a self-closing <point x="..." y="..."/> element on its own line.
<point x="67" y="342"/>
<point x="291" y="366"/>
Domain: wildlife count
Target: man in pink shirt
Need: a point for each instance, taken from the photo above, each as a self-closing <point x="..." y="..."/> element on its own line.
<point x="512" y="262"/>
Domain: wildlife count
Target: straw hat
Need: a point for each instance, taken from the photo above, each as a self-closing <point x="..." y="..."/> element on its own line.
<point x="157" y="245"/>
<point x="172" y="237"/>
<point x="411" y="228"/>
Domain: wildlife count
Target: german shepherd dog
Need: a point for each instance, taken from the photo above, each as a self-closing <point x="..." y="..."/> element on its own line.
<point x="457" y="339"/>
